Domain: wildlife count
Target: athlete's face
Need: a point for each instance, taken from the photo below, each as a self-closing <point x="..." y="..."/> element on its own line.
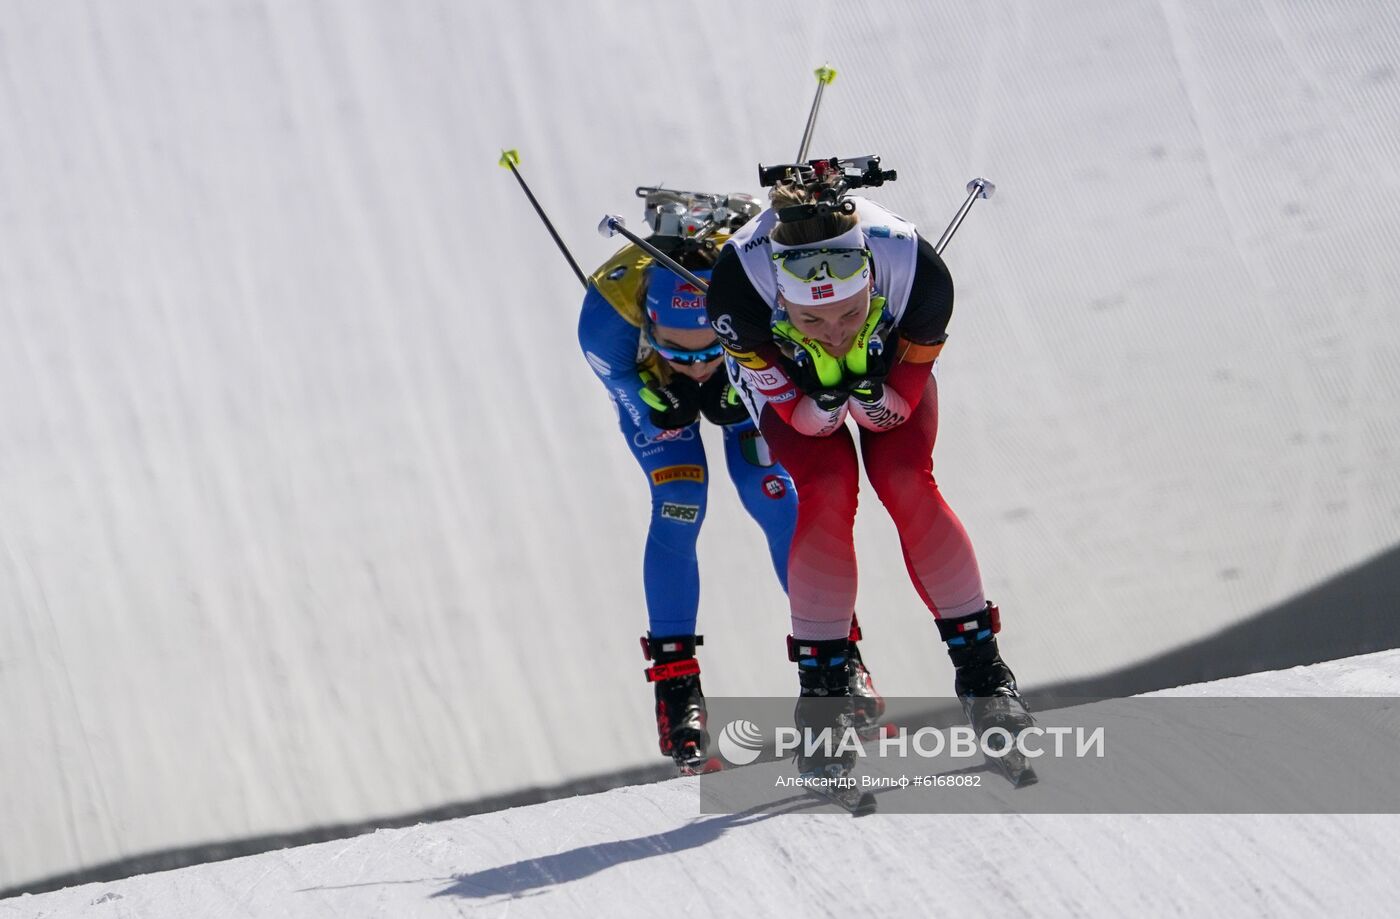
<point x="834" y="324"/>
<point x="689" y="340"/>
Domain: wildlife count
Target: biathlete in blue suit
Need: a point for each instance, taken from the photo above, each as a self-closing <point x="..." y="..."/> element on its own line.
<point x="645" y="333"/>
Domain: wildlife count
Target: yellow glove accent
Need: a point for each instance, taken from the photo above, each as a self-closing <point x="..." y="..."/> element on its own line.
<point x="828" y="368"/>
<point x="649" y="396"/>
<point x="855" y="359"/>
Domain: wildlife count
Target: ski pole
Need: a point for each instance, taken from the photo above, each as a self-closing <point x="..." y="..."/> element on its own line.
<point x="612" y="225"/>
<point x="977" y="188"/>
<point x="824" y="76"/>
<point x="509" y="159"/>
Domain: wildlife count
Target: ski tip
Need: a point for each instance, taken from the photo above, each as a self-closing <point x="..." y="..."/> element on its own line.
<point x="825" y="75"/>
<point x="1020" y="775"/>
<point x="854" y="802"/>
<point x="693" y="761"/>
<point x="877" y="731"/>
<point x="509" y="159"/>
<point x="1026" y="779"/>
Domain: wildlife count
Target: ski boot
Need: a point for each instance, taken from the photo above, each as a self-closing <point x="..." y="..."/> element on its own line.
<point x="680" y="703"/>
<point x="986" y="687"/>
<point x="824" y="672"/>
<point x="868" y="706"/>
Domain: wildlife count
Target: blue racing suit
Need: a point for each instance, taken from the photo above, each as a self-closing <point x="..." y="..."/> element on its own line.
<point x="673" y="461"/>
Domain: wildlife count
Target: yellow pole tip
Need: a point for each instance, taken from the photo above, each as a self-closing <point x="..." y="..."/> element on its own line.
<point x="509" y="158"/>
<point x="825" y="75"/>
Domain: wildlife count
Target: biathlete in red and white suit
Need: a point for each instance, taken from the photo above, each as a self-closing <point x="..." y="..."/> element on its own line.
<point x="834" y="316"/>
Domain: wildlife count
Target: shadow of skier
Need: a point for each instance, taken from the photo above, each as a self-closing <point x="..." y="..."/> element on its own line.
<point x="528" y="877"/>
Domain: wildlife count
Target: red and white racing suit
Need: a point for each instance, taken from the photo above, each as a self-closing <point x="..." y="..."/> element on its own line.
<point x="816" y="446"/>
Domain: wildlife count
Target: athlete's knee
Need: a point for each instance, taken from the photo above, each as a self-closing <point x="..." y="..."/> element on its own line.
<point x="826" y="478"/>
<point x="830" y="486"/>
<point x="767" y="491"/>
<point x="679" y="505"/>
<point x="894" y="483"/>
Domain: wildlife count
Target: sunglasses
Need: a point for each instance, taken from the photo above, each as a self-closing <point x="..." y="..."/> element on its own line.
<point x="683" y="356"/>
<point x="823" y="264"/>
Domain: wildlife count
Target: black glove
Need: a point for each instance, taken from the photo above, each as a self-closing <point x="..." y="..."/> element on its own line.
<point x="673" y="405"/>
<point x="868" y="386"/>
<point x="830" y="399"/>
<point x="804" y="377"/>
<point x="720" y="403"/>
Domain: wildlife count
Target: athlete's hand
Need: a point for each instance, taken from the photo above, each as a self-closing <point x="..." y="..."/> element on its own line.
<point x="673" y="405"/>
<point x="720" y="403"/>
<point x="865" y="367"/>
<point x="870" y="385"/>
<point x="829" y="394"/>
<point x="812" y="368"/>
<point x="830" y="399"/>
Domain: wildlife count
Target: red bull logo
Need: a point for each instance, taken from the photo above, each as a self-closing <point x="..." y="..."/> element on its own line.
<point x="687" y="297"/>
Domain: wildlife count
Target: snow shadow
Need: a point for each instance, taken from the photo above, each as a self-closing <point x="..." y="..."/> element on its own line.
<point x="532" y="875"/>
<point x="1352" y="613"/>
<point x="171" y="859"/>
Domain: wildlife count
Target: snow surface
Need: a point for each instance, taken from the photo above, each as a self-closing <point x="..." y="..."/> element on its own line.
<point x="643" y="850"/>
<point x="310" y="511"/>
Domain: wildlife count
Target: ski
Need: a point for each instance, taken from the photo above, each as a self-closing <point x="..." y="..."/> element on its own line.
<point x="874" y="730"/>
<point x="700" y="766"/>
<point x="853" y="801"/>
<point x="1008" y="714"/>
<point x="1015" y="768"/>
<point x="835" y="784"/>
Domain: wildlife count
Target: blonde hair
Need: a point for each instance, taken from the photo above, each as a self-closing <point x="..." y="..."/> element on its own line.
<point x="811" y="230"/>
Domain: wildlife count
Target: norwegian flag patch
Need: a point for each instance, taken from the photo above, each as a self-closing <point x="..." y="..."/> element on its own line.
<point x="823" y="291"/>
